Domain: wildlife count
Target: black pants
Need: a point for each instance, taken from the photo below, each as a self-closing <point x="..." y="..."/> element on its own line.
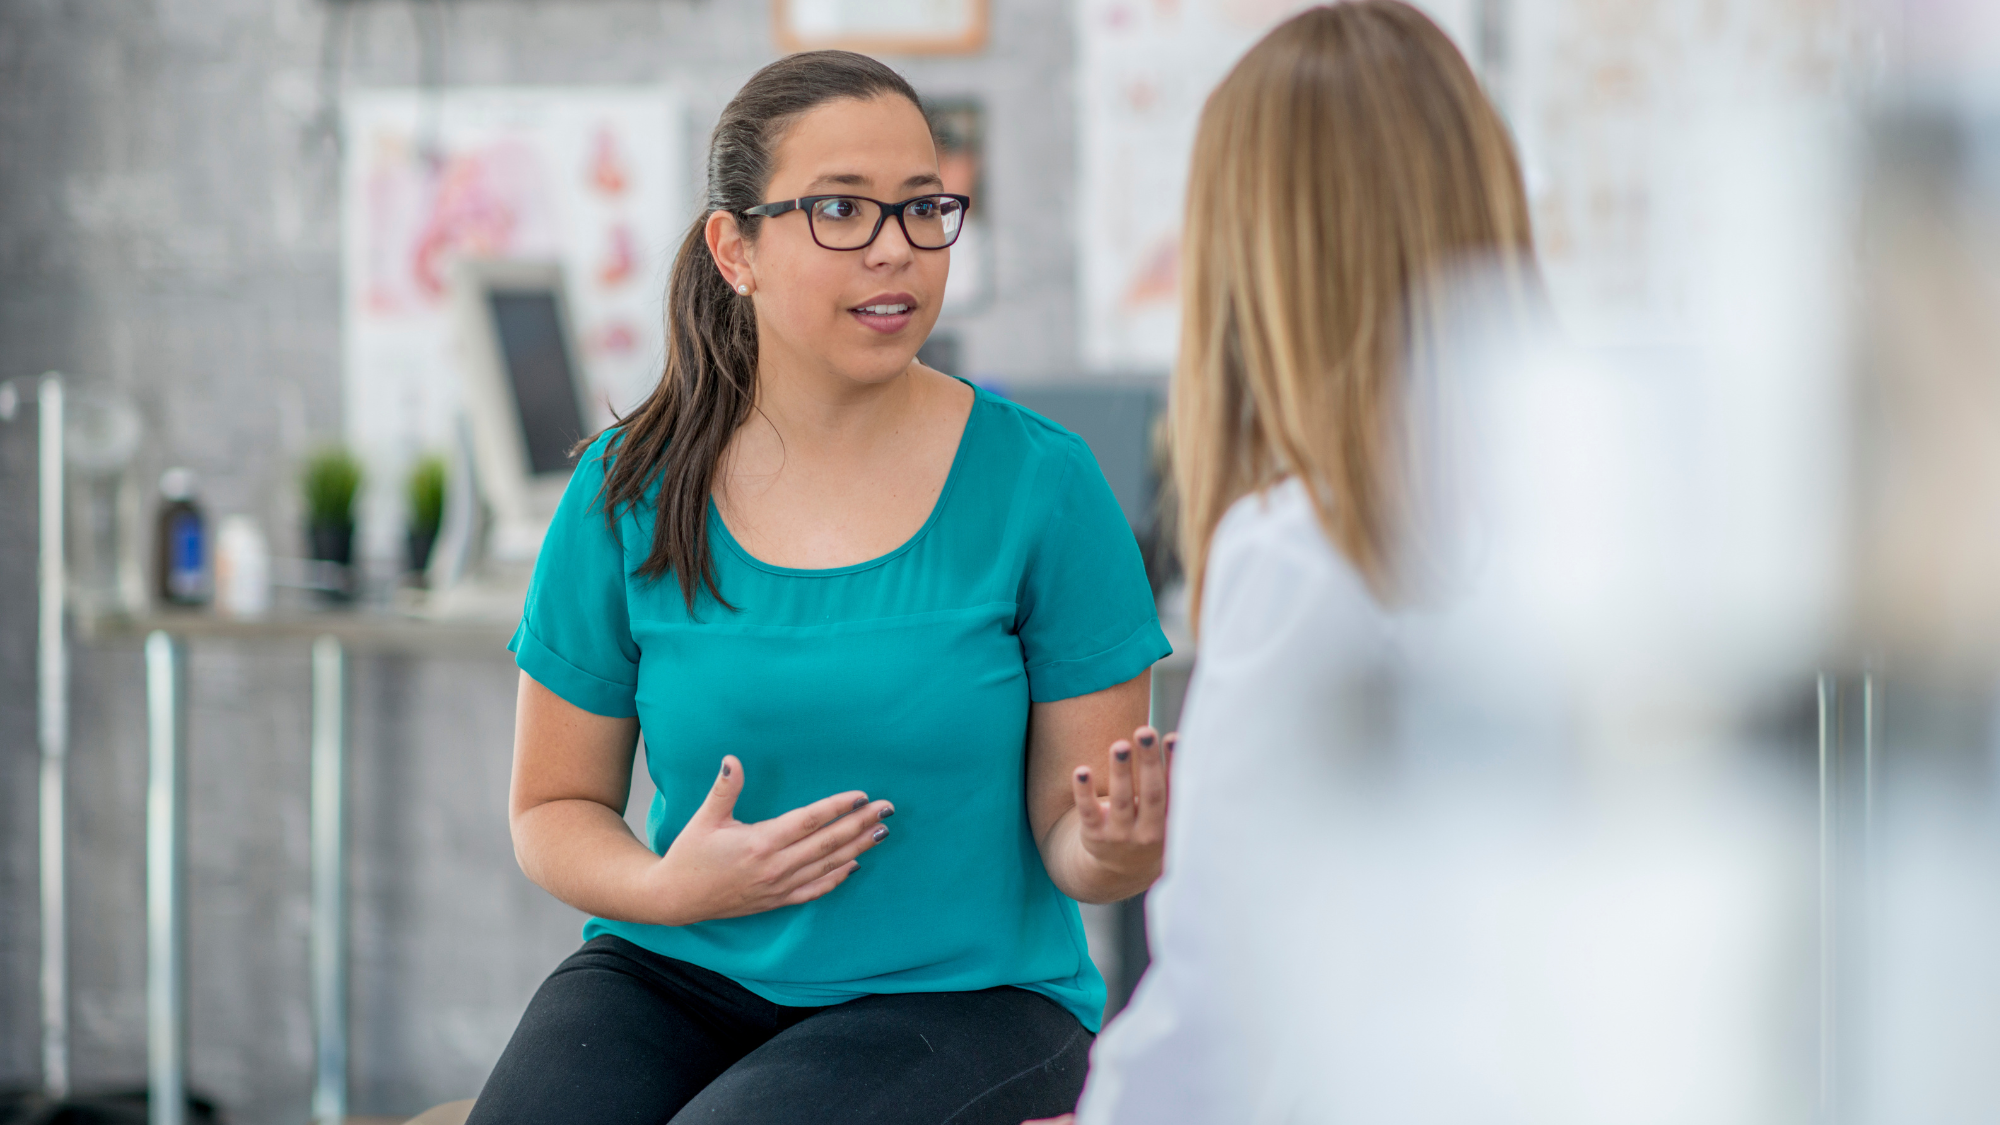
<point x="619" y="1035"/>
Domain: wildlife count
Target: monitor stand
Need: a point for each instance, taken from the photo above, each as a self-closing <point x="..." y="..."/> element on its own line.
<point x="480" y="568"/>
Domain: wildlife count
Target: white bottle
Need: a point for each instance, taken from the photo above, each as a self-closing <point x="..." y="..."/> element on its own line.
<point x="242" y="568"/>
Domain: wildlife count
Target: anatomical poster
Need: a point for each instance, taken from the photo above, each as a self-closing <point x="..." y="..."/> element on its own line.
<point x="595" y="179"/>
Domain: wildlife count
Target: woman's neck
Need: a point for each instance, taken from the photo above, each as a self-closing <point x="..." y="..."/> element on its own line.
<point x="830" y="471"/>
<point x="809" y="418"/>
<point x="827" y="410"/>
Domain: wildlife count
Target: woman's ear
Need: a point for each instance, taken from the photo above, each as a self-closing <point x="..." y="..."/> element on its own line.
<point x="731" y="253"/>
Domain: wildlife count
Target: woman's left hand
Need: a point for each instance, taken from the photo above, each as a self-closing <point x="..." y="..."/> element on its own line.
<point x="1123" y="830"/>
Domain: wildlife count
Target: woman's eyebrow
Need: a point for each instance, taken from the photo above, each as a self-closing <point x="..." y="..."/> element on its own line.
<point x="857" y="180"/>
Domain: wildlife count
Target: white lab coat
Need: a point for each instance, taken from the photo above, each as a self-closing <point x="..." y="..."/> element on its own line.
<point x="1398" y="890"/>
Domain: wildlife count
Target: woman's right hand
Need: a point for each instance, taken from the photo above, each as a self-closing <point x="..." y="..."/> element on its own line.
<point x="720" y="867"/>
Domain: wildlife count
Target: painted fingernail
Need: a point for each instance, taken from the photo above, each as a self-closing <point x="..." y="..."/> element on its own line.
<point x="1083" y="775"/>
<point x="887" y="812"/>
<point x="725" y="769"/>
<point x="881" y="830"/>
<point x="860" y="801"/>
<point x="1146" y="740"/>
<point x="1121" y="755"/>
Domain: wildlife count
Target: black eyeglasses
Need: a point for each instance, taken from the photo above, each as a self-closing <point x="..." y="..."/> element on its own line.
<point x="851" y="222"/>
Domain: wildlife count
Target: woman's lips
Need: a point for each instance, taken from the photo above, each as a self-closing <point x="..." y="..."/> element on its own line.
<point x="885" y="316"/>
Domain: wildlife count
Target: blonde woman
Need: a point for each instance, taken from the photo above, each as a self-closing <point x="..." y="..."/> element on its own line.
<point x="1343" y="172"/>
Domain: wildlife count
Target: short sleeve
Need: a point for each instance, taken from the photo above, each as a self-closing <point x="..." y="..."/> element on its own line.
<point x="1087" y="618"/>
<point x="576" y="630"/>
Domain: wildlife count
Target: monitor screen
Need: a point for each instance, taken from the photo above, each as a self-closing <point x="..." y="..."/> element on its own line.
<point x="531" y="345"/>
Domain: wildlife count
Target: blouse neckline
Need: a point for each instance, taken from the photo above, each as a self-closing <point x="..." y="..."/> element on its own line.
<point x="721" y="528"/>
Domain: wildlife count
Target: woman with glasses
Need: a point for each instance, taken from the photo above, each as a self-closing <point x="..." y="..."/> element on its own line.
<point x="827" y="584"/>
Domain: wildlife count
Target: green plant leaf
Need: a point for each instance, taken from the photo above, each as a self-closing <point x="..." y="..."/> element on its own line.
<point x="330" y="479"/>
<point x="426" y="494"/>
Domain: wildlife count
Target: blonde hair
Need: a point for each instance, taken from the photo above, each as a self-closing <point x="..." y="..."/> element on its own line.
<point x="1346" y="163"/>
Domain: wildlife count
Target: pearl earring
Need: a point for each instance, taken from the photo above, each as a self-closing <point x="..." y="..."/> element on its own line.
<point x="743" y="289"/>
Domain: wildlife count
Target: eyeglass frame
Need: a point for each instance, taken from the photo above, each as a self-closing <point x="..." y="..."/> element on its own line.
<point x="805" y="203"/>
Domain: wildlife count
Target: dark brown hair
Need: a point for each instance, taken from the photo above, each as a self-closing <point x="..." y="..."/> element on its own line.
<point x="677" y="436"/>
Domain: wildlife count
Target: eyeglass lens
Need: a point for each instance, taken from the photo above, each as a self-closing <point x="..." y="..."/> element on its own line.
<point x="844" y="222"/>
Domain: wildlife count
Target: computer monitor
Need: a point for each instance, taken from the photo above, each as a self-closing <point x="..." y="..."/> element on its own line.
<point x="524" y="393"/>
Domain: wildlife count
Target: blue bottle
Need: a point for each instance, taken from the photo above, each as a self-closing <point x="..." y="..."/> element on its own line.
<point x="183" y="541"/>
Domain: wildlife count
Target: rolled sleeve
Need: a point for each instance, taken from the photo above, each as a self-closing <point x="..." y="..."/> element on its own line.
<point x="1065" y="679"/>
<point x="611" y="698"/>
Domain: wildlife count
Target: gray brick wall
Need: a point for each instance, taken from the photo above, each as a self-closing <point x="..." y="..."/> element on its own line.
<point x="168" y="225"/>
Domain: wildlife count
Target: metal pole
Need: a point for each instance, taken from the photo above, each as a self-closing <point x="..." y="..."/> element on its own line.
<point x="52" y="730"/>
<point x="1871" y="719"/>
<point x="166" y="975"/>
<point x="1829" y="746"/>
<point x="329" y="913"/>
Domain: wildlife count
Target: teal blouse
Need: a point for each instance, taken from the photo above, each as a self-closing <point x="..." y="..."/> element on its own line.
<point x="908" y="676"/>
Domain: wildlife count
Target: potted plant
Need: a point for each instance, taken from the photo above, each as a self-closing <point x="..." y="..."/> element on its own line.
<point x="331" y="478"/>
<point x="426" y="496"/>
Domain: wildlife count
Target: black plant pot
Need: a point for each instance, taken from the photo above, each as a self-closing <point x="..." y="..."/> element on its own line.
<point x="332" y="544"/>
<point x="420" y="552"/>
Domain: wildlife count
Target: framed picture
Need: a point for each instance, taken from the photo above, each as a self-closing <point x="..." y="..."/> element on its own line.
<point x="886" y="27"/>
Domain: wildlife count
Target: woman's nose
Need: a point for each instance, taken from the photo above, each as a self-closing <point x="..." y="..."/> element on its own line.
<point x="890" y="248"/>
